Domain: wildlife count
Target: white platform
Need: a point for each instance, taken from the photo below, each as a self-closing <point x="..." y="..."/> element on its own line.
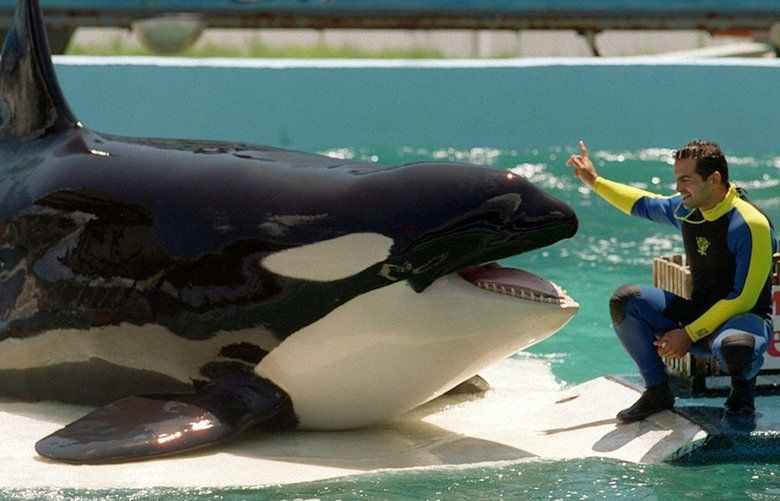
<point x="527" y="414"/>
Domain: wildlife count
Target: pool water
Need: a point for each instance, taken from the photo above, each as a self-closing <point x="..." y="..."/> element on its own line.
<point x="609" y="250"/>
<point x="575" y="480"/>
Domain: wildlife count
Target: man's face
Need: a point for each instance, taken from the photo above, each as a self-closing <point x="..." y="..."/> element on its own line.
<point x="697" y="193"/>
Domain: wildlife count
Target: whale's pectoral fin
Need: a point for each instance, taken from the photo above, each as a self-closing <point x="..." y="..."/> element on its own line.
<point x="159" y="425"/>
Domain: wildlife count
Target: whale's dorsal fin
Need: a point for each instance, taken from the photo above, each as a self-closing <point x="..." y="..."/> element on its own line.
<point x="31" y="102"/>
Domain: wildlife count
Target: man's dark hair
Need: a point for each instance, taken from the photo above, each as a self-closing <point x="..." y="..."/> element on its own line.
<point x="708" y="157"/>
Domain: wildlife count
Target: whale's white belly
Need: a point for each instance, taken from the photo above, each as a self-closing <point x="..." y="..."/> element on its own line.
<point x="392" y="349"/>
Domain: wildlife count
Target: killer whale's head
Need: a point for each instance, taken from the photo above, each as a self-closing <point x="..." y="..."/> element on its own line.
<point x="419" y="222"/>
<point x="418" y="240"/>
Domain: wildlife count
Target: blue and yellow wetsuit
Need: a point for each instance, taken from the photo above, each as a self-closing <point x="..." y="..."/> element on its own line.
<point x="729" y="250"/>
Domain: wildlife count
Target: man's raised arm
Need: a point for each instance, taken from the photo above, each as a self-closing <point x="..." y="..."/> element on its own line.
<point x="630" y="200"/>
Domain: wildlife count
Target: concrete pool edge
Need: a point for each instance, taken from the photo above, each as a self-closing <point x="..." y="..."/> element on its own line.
<point x="285" y="63"/>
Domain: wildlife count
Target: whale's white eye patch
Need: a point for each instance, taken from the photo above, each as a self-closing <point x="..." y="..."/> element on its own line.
<point x="331" y="259"/>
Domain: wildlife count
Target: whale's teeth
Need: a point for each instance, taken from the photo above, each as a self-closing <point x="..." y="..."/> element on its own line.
<point x="519" y="293"/>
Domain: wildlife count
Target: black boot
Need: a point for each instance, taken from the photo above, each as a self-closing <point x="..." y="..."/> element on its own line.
<point x="740" y="412"/>
<point x="654" y="399"/>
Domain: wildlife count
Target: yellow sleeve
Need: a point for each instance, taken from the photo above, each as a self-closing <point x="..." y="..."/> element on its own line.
<point x="620" y="195"/>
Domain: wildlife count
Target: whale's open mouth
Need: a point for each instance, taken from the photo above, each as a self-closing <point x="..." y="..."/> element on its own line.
<point x="517" y="283"/>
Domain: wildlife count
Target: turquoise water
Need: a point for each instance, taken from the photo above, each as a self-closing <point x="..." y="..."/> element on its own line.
<point x="610" y="249"/>
<point x="576" y="480"/>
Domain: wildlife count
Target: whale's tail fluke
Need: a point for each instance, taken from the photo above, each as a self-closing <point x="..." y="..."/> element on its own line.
<point x="31" y="102"/>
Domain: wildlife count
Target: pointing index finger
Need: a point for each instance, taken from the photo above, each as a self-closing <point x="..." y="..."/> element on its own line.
<point x="583" y="148"/>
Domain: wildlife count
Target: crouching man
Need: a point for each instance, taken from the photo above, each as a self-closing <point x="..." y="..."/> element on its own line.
<point x="728" y="245"/>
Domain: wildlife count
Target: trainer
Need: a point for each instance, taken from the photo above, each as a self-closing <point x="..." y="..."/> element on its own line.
<point x="728" y="245"/>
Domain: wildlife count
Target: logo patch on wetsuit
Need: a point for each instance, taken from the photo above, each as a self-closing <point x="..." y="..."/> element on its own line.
<point x="703" y="245"/>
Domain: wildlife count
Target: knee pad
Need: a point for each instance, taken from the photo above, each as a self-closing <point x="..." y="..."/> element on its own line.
<point x="737" y="353"/>
<point x="619" y="301"/>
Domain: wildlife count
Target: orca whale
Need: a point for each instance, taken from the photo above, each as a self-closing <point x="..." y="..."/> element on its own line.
<point x="194" y="289"/>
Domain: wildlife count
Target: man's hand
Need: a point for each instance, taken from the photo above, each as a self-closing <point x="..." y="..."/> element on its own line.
<point x="674" y="344"/>
<point x="583" y="167"/>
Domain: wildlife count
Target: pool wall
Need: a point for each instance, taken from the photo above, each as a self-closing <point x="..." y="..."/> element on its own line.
<point x="313" y="105"/>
